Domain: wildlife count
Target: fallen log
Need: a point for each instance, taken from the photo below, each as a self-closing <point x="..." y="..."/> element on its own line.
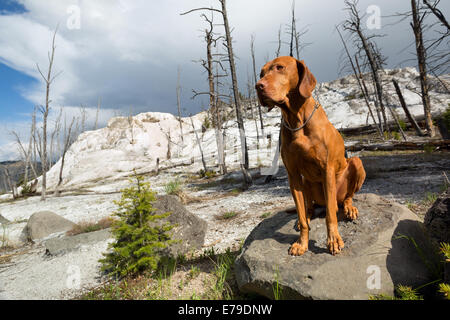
<point x="408" y="145"/>
<point x="371" y="128"/>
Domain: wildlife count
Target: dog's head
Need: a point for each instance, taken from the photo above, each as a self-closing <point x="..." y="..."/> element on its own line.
<point x="283" y="79"/>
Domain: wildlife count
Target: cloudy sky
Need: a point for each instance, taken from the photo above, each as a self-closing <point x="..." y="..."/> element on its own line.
<point x="127" y="52"/>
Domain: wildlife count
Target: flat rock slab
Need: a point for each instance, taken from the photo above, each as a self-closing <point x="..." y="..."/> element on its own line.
<point x="373" y="261"/>
<point x="56" y="246"/>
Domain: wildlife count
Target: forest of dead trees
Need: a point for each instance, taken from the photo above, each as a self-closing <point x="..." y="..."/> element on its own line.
<point x="361" y="54"/>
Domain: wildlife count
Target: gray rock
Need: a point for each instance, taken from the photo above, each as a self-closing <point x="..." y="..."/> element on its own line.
<point x="44" y="223"/>
<point x="188" y="228"/>
<point x="372" y="251"/>
<point x="437" y="219"/>
<point x="3" y="220"/>
<point x="56" y="246"/>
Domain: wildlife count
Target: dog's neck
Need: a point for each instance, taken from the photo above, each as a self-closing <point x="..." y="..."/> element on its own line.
<point x="296" y="110"/>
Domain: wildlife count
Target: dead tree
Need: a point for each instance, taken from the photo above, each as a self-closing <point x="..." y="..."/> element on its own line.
<point x="360" y="84"/>
<point x="97" y="113"/>
<point x="364" y="45"/>
<point x="67" y="142"/>
<point x="438" y="13"/>
<point x="54" y="134"/>
<point x="220" y="132"/>
<point x="179" y="103"/>
<point x="11" y="185"/>
<point x="83" y="114"/>
<point x="48" y="79"/>
<point x="417" y="26"/>
<point x="410" y="117"/>
<point x="291" y="46"/>
<point x="130" y="121"/>
<point x="208" y="64"/>
<point x="277" y="53"/>
<point x="199" y="145"/>
<point x="252" y="49"/>
<point x="240" y="120"/>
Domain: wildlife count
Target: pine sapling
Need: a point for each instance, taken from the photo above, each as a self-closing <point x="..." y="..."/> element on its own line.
<point x="140" y="234"/>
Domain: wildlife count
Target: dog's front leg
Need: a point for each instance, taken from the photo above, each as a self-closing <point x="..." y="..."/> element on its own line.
<point x="301" y="245"/>
<point x="334" y="240"/>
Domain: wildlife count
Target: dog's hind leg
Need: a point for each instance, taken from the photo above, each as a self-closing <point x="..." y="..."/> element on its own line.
<point x="351" y="183"/>
<point x="334" y="240"/>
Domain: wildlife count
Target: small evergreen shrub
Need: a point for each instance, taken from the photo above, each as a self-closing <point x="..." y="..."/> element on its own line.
<point x="139" y="233"/>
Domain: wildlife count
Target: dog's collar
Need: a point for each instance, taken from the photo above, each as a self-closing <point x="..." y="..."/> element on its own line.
<point x="316" y="106"/>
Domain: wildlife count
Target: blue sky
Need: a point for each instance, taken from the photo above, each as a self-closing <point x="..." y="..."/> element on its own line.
<point x="10" y="7"/>
<point x="13" y="105"/>
<point x="127" y="52"/>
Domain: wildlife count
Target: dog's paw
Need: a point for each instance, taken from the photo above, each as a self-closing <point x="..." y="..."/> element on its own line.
<point x="297" y="249"/>
<point x="350" y="212"/>
<point x="335" y="244"/>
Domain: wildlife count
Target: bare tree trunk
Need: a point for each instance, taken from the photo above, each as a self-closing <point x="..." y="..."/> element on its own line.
<point x="199" y="145"/>
<point x="67" y="143"/>
<point x="97" y="113"/>
<point x="56" y="129"/>
<point x="396" y="121"/>
<point x="277" y="53"/>
<point x="213" y="100"/>
<point x="252" y="42"/>
<point x="291" y="46"/>
<point x="377" y="81"/>
<point x="240" y="121"/>
<point x="358" y="79"/>
<point x="421" y="59"/>
<point x="83" y="118"/>
<point x="220" y="134"/>
<point x="411" y="119"/>
<point x="366" y="92"/>
<point x="45" y="111"/>
<point x="354" y="25"/>
<point x="179" y="104"/>
<point x="229" y="46"/>
<point x="11" y="185"/>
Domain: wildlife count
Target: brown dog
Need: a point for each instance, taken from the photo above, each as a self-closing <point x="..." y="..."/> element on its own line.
<point x="312" y="150"/>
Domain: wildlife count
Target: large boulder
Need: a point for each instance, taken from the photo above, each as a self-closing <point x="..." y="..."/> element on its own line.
<point x="376" y="256"/>
<point x="44" y="223"/>
<point x="189" y="228"/>
<point x="437" y="219"/>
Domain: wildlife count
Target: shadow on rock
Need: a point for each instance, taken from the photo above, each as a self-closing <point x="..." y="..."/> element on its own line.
<point x="413" y="260"/>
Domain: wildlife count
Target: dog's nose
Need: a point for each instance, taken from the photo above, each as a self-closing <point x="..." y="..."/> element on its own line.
<point x="259" y="85"/>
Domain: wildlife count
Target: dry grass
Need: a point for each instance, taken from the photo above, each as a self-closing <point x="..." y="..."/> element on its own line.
<point x="89" y="226"/>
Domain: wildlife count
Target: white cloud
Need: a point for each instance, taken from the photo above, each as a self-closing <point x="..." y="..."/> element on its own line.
<point x="127" y="52"/>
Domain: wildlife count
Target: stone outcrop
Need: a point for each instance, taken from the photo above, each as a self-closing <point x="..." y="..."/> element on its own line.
<point x="377" y="255"/>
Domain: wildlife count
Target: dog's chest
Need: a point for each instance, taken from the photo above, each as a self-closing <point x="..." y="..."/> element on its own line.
<point x="304" y="156"/>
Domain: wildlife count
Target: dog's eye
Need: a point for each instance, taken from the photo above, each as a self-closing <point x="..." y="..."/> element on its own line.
<point x="280" y="68"/>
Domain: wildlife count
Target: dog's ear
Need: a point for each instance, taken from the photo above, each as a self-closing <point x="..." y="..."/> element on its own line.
<point x="307" y="81"/>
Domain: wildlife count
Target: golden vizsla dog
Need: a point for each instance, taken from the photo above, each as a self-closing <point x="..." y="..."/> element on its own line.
<point x="312" y="150"/>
